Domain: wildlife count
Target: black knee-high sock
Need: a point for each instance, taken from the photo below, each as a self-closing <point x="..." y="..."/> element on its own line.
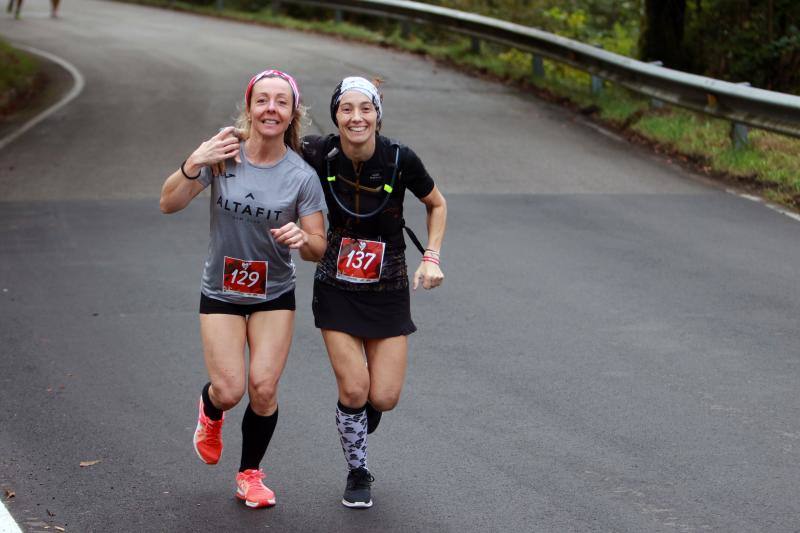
<point x="373" y="418"/>
<point x="208" y="408"/>
<point x="256" y="433"/>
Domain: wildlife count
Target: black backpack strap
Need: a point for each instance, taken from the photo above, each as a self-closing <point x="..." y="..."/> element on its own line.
<point x="409" y="231"/>
<point x="414" y="239"/>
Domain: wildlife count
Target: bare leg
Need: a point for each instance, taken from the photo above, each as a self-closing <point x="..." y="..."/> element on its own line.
<point x="388" y="359"/>
<point x="270" y="337"/>
<point x="223" y="346"/>
<point x="347" y="360"/>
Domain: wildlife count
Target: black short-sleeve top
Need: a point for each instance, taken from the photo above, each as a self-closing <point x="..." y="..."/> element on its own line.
<point x="361" y="189"/>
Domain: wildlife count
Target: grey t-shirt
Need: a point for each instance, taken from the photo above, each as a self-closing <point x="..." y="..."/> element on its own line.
<point x="245" y="204"/>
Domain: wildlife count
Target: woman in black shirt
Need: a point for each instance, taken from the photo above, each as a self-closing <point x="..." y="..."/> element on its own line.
<point x="361" y="295"/>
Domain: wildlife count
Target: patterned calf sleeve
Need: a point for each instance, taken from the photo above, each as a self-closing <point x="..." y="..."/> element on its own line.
<point x="352" y="425"/>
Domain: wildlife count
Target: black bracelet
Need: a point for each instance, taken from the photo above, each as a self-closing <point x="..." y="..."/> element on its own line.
<point x="187" y="176"/>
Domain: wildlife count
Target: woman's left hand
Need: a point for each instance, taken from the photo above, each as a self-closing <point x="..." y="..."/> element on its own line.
<point x="290" y="235"/>
<point x="429" y="274"/>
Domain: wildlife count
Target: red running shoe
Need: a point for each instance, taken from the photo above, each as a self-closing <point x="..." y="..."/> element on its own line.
<point x="208" y="437"/>
<point x="252" y="490"/>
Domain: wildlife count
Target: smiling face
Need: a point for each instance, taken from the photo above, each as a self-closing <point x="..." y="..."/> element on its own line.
<point x="271" y="107"/>
<point x="357" y="118"/>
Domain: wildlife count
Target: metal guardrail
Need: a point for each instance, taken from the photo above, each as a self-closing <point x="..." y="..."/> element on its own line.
<point x="738" y="103"/>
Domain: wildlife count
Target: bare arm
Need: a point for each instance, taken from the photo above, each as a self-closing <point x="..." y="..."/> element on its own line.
<point x="308" y="238"/>
<point x="178" y="190"/>
<point x="429" y="271"/>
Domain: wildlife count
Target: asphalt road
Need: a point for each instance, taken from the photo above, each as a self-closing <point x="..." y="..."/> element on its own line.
<point x="615" y="348"/>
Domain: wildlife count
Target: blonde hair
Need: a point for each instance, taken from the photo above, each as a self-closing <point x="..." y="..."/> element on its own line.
<point x="292" y="134"/>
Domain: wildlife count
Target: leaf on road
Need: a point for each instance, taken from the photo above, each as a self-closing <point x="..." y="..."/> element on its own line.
<point x="10" y="494"/>
<point x="89" y="463"/>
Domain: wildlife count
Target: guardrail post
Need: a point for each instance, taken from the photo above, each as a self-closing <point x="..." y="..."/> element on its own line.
<point x="597" y="85"/>
<point x="655" y="103"/>
<point x="597" y="82"/>
<point x="538" y="66"/>
<point x="739" y="132"/>
<point x="405" y="29"/>
<point x="337" y="16"/>
<point x="476" y="45"/>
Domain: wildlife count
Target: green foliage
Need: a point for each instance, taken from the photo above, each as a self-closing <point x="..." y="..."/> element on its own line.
<point x="770" y="161"/>
<point x="619" y="106"/>
<point x="516" y="61"/>
<point x="757" y="41"/>
<point x="17" y="73"/>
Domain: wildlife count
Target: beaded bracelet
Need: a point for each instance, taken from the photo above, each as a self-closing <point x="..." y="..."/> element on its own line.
<point x="187" y="176"/>
<point x="431" y="251"/>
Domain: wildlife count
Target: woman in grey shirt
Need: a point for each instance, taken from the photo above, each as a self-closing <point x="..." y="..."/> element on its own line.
<point x="260" y="190"/>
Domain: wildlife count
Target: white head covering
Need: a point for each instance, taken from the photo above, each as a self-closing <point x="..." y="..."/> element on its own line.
<point x="362" y="85"/>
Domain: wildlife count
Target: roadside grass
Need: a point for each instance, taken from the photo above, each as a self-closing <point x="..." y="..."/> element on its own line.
<point x="18" y="72"/>
<point x="770" y="162"/>
<point x="769" y="165"/>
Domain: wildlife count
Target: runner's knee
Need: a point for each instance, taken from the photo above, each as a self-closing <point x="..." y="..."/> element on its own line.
<point x="354" y="393"/>
<point x="226" y="395"/>
<point x="384" y="401"/>
<point x="263" y="395"/>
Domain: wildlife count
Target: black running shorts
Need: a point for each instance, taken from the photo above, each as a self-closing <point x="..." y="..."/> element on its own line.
<point x="210" y="306"/>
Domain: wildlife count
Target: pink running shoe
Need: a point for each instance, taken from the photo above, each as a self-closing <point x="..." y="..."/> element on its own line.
<point x="252" y="490"/>
<point x="208" y="437"/>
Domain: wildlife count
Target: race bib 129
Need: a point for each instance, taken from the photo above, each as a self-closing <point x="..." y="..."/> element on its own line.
<point x="248" y="278"/>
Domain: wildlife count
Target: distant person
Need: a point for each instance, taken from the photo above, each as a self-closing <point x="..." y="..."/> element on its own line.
<point x="361" y="298"/>
<point x="247" y="290"/>
<point x="18" y="4"/>
<point x="15" y="6"/>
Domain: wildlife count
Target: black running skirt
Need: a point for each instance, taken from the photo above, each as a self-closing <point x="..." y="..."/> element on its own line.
<point x="363" y="314"/>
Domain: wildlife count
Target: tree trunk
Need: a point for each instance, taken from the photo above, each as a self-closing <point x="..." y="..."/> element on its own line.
<point x="662" y="33"/>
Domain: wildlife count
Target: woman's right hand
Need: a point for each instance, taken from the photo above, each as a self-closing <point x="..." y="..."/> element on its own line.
<point x="214" y="152"/>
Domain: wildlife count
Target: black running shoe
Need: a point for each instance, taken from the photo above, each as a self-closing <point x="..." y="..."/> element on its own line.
<point x="373" y="418"/>
<point x="357" y="492"/>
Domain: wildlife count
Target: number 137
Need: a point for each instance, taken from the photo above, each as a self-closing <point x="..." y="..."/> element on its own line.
<point x="356" y="259"/>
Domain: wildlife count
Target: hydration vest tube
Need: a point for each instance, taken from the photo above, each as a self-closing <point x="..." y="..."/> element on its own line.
<point x="386" y="187"/>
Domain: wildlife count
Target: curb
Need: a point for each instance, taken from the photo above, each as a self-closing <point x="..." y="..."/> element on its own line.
<point x="77" y="87"/>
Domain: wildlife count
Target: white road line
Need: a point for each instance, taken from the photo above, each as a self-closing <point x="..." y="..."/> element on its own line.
<point x="783" y="211"/>
<point x="758" y="200"/>
<point x="603" y="131"/>
<point x="76" y="90"/>
<point x="7" y="524"/>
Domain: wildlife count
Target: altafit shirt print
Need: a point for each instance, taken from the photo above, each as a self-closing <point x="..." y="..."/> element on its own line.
<point x="246" y="202"/>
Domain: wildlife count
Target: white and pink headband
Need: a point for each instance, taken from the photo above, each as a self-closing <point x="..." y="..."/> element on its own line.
<point x="273" y="74"/>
